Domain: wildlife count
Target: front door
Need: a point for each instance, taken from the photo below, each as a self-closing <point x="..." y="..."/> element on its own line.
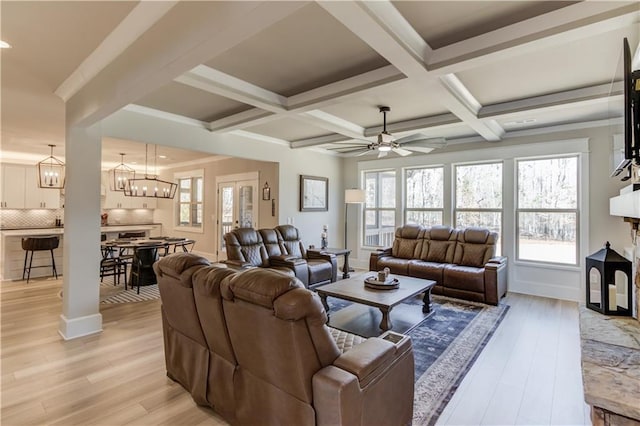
<point x="237" y="208"/>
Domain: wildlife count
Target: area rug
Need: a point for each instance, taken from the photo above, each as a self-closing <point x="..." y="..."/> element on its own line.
<point x="445" y="346"/>
<point x="117" y="294"/>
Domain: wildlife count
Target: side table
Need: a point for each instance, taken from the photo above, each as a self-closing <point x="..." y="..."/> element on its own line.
<point x="338" y="252"/>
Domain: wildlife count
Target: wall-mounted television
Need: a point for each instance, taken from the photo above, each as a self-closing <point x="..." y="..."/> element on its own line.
<point x="631" y="83"/>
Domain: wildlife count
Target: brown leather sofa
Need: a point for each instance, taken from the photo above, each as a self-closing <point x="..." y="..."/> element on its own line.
<point x="462" y="262"/>
<point x="254" y="345"/>
<point x="266" y="248"/>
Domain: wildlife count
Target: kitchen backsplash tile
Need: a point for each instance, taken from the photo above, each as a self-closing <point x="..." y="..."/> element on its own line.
<point x="36" y="218"/>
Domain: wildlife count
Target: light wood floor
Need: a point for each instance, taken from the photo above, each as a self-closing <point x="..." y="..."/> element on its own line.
<point x="528" y="374"/>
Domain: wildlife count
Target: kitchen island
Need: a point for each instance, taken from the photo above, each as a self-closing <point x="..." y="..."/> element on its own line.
<point x="12" y="259"/>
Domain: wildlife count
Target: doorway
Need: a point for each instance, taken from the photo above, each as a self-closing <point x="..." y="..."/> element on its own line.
<point x="237" y="206"/>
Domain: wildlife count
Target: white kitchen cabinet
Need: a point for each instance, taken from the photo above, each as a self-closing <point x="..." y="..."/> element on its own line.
<point x="12" y="187"/>
<point x="117" y="200"/>
<point x="39" y="198"/>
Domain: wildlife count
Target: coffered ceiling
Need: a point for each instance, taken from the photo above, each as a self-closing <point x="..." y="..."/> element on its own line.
<point x="313" y="74"/>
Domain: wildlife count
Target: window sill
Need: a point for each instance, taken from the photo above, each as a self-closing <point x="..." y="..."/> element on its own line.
<point x="547" y="265"/>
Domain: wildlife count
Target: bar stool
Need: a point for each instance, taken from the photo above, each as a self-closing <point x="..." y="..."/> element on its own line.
<point x="33" y="244"/>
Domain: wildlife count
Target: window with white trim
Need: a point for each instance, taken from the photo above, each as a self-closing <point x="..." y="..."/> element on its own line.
<point x="379" y="208"/>
<point x="424" y="196"/>
<point x="190" y="200"/>
<point x="547" y="210"/>
<point x="479" y="197"/>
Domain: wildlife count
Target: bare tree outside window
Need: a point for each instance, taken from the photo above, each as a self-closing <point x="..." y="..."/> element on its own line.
<point x="424" y="202"/>
<point x="547" y="210"/>
<point x="479" y="197"/>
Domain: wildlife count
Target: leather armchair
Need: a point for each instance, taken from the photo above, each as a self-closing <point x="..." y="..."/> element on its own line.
<point x="322" y="267"/>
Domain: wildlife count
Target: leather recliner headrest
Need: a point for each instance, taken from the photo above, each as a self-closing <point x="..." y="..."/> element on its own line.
<point x="247" y="236"/>
<point x="259" y="286"/>
<point x="177" y="263"/>
<point x="441" y="233"/>
<point x="288" y="232"/>
<point x="269" y="236"/>
<point x="409" y="230"/>
<point x="476" y="235"/>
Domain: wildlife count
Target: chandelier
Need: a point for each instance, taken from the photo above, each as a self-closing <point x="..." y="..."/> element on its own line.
<point x="119" y="175"/>
<point x="51" y="172"/>
<point x="149" y="186"/>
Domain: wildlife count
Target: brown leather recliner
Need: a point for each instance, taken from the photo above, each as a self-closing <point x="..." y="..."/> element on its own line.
<point x="185" y="347"/>
<point x="261" y="353"/>
<point x="322" y="267"/>
<point x="290" y="370"/>
<point x="246" y="248"/>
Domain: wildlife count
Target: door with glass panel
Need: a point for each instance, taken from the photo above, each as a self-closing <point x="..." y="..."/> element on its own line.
<point x="237" y="208"/>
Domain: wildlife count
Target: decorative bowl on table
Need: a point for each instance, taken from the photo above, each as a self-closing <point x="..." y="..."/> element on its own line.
<point x="388" y="284"/>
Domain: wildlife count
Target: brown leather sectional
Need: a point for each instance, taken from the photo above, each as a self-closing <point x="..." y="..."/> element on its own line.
<point x="254" y="345"/>
<point x="280" y="248"/>
<point x="462" y="262"/>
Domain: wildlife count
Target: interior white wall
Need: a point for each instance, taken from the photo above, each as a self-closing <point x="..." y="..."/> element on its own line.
<point x="599" y="187"/>
<point x="293" y="163"/>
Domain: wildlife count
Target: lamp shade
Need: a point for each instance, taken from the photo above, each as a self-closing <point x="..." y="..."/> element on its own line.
<point x="354" y="196"/>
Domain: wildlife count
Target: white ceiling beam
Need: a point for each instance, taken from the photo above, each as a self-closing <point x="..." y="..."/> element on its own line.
<point x="421" y="123"/>
<point x="384" y="29"/>
<point x="316" y="98"/>
<point x="259" y="137"/>
<point x="152" y="112"/>
<point x="151" y="61"/>
<point x="575" y="22"/>
<point x="332" y="123"/>
<point x="213" y="81"/>
<point x="139" y="20"/>
<point x="583" y="95"/>
<point x="320" y="140"/>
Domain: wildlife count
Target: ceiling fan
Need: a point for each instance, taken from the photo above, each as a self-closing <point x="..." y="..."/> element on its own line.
<point x="386" y="143"/>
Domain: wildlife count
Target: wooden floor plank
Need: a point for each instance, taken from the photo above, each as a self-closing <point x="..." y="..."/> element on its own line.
<point x="118" y="377"/>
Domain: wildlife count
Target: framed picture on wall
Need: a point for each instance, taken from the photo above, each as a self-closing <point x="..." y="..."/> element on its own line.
<point x="314" y="194"/>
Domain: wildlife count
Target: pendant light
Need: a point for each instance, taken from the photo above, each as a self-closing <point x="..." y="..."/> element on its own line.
<point x="119" y="175"/>
<point x="51" y="172"/>
<point x="150" y="186"/>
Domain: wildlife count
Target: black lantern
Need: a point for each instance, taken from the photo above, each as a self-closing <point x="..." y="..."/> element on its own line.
<point x="604" y="264"/>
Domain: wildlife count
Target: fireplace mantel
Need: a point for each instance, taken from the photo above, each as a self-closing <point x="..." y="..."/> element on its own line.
<point x="627" y="204"/>
<point x="610" y="366"/>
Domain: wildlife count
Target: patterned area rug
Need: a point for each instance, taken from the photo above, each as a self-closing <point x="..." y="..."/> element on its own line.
<point x="445" y="346"/>
<point x="117" y="294"/>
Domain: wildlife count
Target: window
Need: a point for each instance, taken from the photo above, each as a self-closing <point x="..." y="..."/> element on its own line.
<point x="424" y="189"/>
<point x="379" y="208"/>
<point x="479" y="197"/>
<point x="547" y="210"/>
<point x="190" y="201"/>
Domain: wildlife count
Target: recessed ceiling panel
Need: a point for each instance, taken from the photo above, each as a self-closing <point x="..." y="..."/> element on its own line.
<point x="288" y="129"/>
<point x="441" y="23"/>
<point x="306" y="50"/>
<point x="407" y="100"/>
<point x="52" y="38"/>
<point x="565" y="67"/>
<point x="189" y="102"/>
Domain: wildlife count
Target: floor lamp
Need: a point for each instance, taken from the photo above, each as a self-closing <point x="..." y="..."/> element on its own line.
<point x="351" y="196"/>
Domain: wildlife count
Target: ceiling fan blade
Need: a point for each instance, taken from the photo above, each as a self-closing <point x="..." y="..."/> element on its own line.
<point x="401" y="151"/>
<point x="382" y="154"/>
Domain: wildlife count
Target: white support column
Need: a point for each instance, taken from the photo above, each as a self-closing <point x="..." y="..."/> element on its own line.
<point x="81" y="285"/>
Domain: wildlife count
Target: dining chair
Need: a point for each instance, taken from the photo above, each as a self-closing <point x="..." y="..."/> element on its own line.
<point x="111" y="265"/>
<point x="142" y="266"/>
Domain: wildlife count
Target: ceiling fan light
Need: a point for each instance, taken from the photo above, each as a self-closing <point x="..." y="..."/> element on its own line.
<point x="384" y="148"/>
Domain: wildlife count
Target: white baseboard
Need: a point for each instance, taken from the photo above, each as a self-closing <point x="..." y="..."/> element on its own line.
<point x="545" y="290"/>
<point x="79" y="327"/>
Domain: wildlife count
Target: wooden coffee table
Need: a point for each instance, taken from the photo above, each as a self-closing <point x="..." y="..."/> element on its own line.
<point x="353" y="289"/>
